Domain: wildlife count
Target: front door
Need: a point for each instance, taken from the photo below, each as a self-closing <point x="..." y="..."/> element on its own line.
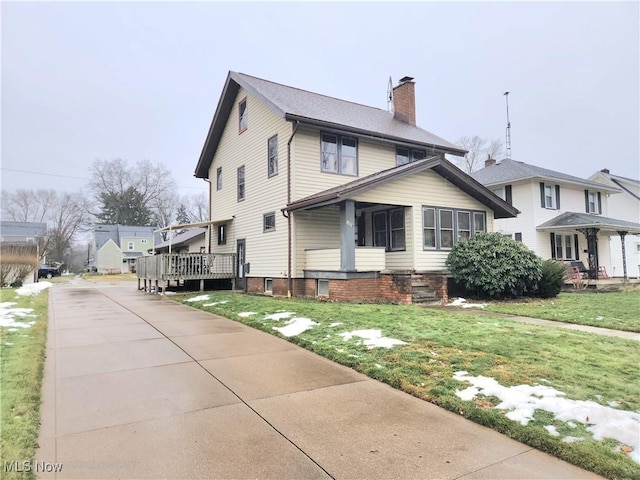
<point x="240" y="256"/>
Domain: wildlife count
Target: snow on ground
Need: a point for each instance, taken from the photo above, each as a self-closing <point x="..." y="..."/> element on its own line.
<point x="522" y="400"/>
<point x="8" y="314"/>
<point x="372" y="338"/>
<point x="296" y="326"/>
<point x="335" y="324"/>
<point x="279" y="315"/>
<point x="199" y="298"/>
<point x="461" y="302"/>
<point x="213" y="304"/>
<point x="33" y="288"/>
<point x="246" y="314"/>
<point x="168" y="293"/>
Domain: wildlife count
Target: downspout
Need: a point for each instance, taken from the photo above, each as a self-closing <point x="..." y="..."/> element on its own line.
<point x="289" y="241"/>
<point x="209" y="214"/>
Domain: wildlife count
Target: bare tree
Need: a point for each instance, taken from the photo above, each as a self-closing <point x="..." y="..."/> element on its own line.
<point x="477" y="151"/>
<point x="27" y="205"/>
<point x="197" y="207"/>
<point x="156" y="189"/>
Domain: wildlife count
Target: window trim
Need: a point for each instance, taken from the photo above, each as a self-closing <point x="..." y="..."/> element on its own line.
<point x="339" y="160"/>
<point x="266" y="228"/>
<point x="242" y="117"/>
<point x="241" y="192"/>
<point x="222" y="234"/>
<point x="437" y="228"/>
<point x="219" y="179"/>
<point x="272" y="172"/>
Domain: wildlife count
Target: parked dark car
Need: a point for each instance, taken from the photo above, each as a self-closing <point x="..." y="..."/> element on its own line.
<point x="49" y="271"/>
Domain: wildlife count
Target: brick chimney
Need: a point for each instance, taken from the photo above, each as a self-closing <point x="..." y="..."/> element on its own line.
<point x="489" y="162"/>
<point x="404" y="101"/>
<point x="605" y="170"/>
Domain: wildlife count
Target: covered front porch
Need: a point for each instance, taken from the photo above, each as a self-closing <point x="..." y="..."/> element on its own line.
<point x="593" y="228"/>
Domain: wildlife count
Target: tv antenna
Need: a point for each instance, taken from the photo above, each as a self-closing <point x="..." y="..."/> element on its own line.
<point x="390" y="107"/>
<point x="508" y="129"/>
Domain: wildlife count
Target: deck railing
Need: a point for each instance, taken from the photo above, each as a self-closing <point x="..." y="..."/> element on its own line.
<point x="186" y="266"/>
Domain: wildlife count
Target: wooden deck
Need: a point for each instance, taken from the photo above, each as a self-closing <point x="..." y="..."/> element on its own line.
<point x="165" y="267"/>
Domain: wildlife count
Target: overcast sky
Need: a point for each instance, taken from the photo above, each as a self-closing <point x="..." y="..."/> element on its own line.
<point x="141" y="80"/>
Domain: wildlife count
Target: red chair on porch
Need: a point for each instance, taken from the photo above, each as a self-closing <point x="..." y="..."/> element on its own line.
<point x="602" y="273"/>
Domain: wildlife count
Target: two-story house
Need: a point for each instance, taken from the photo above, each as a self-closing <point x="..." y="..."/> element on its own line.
<point x="116" y="247"/>
<point x="323" y="197"/>
<point x="562" y="216"/>
<point x="626" y="206"/>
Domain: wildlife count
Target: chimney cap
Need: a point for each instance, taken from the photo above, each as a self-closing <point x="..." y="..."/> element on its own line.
<point x="405" y="79"/>
<point x="605" y="170"/>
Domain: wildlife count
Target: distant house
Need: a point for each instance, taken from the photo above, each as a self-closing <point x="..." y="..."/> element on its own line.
<point x="323" y="197"/>
<point x="21" y="245"/>
<point x="562" y="216"/>
<point x="626" y="206"/>
<point x="190" y="241"/>
<point x="116" y="247"/>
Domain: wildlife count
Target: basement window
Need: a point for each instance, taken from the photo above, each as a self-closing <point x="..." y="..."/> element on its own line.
<point x="268" y="285"/>
<point x="322" y="287"/>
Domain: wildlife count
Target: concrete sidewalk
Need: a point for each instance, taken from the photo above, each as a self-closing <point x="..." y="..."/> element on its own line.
<point x="137" y="386"/>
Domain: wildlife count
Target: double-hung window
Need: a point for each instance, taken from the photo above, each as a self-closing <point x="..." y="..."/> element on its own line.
<point x="241" y="191"/>
<point x="443" y="227"/>
<point x="243" y="118"/>
<point x="269" y="222"/>
<point x="550" y="196"/>
<point x="592" y="202"/>
<point x="339" y="154"/>
<point x="564" y="247"/>
<point x="222" y="234"/>
<point x="272" y="156"/>
<point x="388" y="229"/>
<point x="219" y="178"/>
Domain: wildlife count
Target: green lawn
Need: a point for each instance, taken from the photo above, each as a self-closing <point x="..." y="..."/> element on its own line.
<point x="22" y="354"/>
<point x="616" y="310"/>
<point x="584" y="366"/>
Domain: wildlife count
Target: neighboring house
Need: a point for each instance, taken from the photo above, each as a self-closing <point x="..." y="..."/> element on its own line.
<point x="318" y="196"/>
<point x="190" y="241"/>
<point x="562" y="217"/>
<point x="626" y="206"/>
<point x="116" y="247"/>
<point x="20" y="241"/>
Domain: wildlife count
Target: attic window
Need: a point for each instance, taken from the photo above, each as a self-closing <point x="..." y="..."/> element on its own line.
<point x="242" y="116"/>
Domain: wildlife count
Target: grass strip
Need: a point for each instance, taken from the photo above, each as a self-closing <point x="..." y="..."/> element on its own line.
<point x="22" y="355"/>
<point x="584" y="366"/>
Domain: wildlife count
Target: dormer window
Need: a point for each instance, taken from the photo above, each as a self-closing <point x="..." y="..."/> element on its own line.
<point x="242" y="116"/>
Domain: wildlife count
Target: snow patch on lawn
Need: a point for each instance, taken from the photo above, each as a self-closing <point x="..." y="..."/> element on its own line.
<point x="522" y="400"/>
<point x="335" y="324"/>
<point x="461" y="302"/>
<point x="33" y="288"/>
<point x="279" y="315"/>
<point x="199" y="298"/>
<point x="246" y="314"/>
<point x="552" y="430"/>
<point x="8" y="314"/>
<point x="296" y="326"/>
<point x="372" y="338"/>
<point x="213" y="304"/>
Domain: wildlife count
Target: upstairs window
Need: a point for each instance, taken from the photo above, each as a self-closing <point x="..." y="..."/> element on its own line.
<point x="549" y="196"/>
<point x="269" y="222"/>
<point x="339" y="154"/>
<point x="407" y="155"/>
<point x="592" y="202"/>
<point x="504" y="193"/>
<point x="219" y="178"/>
<point x="130" y="246"/>
<point x="241" y="183"/>
<point x="272" y="156"/>
<point x="242" y="116"/>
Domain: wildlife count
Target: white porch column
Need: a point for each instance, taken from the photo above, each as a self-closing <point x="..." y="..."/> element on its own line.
<point x="347" y="236"/>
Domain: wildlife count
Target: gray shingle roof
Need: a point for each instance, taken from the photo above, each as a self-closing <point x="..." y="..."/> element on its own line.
<point x="183" y="237"/>
<point x="437" y="163"/>
<point x="104" y="233"/>
<point x="19" y="232"/>
<point x="313" y="108"/>
<point x="585" y="220"/>
<point x="509" y="170"/>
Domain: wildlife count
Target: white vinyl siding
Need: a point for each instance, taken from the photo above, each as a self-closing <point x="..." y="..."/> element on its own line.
<point x="267" y="254"/>
<point x="315" y="229"/>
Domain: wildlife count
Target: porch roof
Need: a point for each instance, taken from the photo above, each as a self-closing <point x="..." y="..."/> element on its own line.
<point x="574" y="220"/>
<point x="436" y="163"/>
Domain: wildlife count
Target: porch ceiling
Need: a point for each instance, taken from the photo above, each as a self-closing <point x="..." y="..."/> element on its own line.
<point x="574" y="221"/>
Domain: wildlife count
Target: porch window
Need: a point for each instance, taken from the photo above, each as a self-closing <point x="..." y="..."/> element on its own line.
<point x="339" y="154"/>
<point x="243" y="118"/>
<point x="564" y="247"/>
<point x="269" y="222"/>
<point x="446" y="228"/>
<point x="479" y="222"/>
<point x="429" y="227"/>
<point x="241" y="183"/>
<point x="272" y="156"/>
<point x="222" y="234"/>
<point x="464" y="225"/>
<point x="593" y="202"/>
<point x="443" y="227"/>
<point x="388" y="229"/>
<point x="322" y="287"/>
<point x="219" y="178"/>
